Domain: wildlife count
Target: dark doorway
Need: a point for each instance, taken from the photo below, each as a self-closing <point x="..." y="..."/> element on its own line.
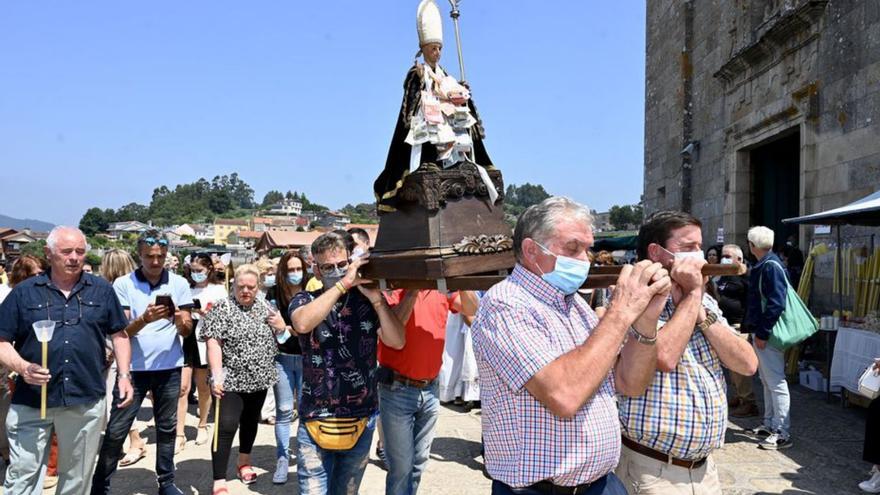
<point x="776" y="185"/>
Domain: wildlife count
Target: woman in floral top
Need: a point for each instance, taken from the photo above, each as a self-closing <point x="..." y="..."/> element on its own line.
<point x="240" y="332"/>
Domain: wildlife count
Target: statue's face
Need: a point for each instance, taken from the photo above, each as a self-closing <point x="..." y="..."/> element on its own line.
<point x="431" y="52"/>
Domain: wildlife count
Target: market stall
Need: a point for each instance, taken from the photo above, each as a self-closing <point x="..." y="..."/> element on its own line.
<point x="854" y="348"/>
<point x="854" y="351"/>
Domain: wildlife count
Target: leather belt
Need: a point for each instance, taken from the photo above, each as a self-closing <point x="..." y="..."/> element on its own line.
<point x="660" y="456"/>
<point x="551" y="489"/>
<point x="411" y="382"/>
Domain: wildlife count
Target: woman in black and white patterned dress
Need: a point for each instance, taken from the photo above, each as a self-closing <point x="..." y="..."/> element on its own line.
<point x="240" y="333"/>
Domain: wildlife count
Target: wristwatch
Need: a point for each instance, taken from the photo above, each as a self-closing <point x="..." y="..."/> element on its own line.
<point x="710" y="319"/>
<point x="124" y="376"/>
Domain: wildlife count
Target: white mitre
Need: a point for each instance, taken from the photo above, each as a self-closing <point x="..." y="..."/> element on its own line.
<point x="429" y="23"/>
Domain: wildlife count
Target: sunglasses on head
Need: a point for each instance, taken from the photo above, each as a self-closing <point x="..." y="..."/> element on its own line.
<point x="152" y="241"/>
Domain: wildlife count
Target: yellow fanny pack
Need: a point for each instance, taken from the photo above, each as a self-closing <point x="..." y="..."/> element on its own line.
<point x="337" y="433"/>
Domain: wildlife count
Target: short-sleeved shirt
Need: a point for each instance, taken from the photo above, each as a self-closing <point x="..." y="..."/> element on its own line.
<point x="422" y="356"/>
<point x="339" y="359"/>
<point x="84" y="319"/>
<point x="522" y="325"/>
<point x="157" y="346"/>
<point x="247" y="342"/>
<point x="683" y="412"/>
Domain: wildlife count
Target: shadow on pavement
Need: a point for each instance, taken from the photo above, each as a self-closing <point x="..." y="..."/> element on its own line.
<point x="826" y="443"/>
<point x="459" y="450"/>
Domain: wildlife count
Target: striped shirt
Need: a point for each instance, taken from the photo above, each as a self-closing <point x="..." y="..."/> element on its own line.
<point x="684" y="412"/>
<point x="522" y="325"/>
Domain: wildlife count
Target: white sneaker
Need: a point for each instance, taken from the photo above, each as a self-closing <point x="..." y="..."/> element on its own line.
<point x="775" y="442"/>
<point x="872" y="485"/>
<point x="280" y="476"/>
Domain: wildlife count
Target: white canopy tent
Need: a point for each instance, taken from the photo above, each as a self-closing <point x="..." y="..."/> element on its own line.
<point x="865" y="211"/>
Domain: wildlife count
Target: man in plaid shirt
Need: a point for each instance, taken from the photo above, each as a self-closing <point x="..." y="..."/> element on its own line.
<point x="670" y="432"/>
<point x="549" y="369"/>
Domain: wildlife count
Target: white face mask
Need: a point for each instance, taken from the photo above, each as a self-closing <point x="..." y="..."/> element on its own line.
<point x="726" y="261"/>
<point x="685" y="254"/>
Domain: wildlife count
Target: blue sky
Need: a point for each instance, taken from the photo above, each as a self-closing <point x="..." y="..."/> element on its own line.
<point x="102" y="101"/>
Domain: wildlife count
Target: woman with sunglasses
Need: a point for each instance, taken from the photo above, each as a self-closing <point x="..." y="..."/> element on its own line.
<point x="291" y="278"/>
<point x="205" y="293"/>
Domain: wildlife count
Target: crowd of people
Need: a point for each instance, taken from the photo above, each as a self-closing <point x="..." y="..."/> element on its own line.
<point x="614" y="391"/>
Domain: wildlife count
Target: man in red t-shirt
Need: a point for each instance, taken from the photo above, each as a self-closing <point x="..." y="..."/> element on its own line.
<point x="408" y="397"/>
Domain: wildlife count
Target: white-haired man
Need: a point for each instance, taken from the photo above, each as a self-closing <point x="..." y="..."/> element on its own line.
<point x="768" y="285"/>
<point x="85" y="311"/>
<point x="550" y="415"/>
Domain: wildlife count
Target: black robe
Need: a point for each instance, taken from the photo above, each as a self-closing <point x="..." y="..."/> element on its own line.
<point x="397" y="163"/>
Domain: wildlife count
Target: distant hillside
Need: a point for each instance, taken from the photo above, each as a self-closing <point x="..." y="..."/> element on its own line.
<point x="27" y="223"/>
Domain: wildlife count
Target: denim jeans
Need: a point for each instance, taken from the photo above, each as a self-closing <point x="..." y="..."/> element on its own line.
<point x="331" y="472"/>
<point x="165" y="388"/>
<point x="409" y="417"/>
<point x="771" y="366"/>
<point x="289" y="385"/>
<point x="79" y="436"/>
<point x="607" y="485"/>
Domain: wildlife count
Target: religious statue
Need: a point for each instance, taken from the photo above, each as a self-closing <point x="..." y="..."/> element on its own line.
<point x="439" y="196"/>
<point x="438" y="125"/>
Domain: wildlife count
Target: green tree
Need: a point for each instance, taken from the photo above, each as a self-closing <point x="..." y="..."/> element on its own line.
<point x="361" y="213"/>
<point x="625" y="217"/>
<point x="35" y="248"/>
<point x="517" y="199"/>
<point x="271" y="198"/>
<point x="133" y="211"/>
<point x="96" y="220"/>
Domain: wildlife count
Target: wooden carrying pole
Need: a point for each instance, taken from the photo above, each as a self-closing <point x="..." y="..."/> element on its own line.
<point x="600" y="277"/>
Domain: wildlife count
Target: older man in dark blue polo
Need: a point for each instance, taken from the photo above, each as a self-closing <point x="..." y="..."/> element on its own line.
<point x="85" y="311"/>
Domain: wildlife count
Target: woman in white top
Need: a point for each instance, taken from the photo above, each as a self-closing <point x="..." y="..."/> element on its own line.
<point x="205" y="294"/>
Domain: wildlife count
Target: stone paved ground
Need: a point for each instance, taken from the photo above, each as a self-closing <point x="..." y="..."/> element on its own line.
<point x="825" y="458"/>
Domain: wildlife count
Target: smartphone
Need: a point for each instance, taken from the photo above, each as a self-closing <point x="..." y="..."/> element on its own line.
<point x="196" y="303"/>
<point x="165" y="300"/>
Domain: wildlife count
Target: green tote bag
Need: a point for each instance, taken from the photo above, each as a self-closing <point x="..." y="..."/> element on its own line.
<point x="796" y="323"/>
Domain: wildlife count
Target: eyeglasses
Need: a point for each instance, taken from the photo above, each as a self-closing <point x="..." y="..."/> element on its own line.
<point x="64" y="320"/>
<point x="152" y="241"/>
<point x="328" y="267"/>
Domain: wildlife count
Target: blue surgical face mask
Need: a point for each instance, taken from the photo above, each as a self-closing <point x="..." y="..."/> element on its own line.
<point x="330" y="279"/>
<point x="294" y="278"/>
<point x="568" y="275"/>
<point x="269" y="281"/>
<point x="198" y="277"/>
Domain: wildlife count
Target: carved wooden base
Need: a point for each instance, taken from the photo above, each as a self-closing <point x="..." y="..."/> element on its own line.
<point x="427" y="265"/>
<point x="444" y="227"/>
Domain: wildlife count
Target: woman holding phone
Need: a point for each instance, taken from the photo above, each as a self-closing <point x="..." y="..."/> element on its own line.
<point x="206" y="293"/>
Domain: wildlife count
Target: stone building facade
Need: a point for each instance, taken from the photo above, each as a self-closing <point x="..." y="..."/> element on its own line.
<point x="758" y="110"/>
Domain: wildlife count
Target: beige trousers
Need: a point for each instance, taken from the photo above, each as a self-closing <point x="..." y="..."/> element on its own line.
<point x="643" y="475"/>
<point x="742" y="385"/>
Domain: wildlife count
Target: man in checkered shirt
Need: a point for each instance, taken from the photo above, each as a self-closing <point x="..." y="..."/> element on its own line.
<point x="669" y="433"/>
<point x="549" y="370"/>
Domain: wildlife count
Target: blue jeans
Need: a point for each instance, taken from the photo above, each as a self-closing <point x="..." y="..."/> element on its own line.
<point x="290" y="371"/>
<point x="332" y="472"/>
<point x="165" y="388"/>
<point x="409" y="417"/>
<point x="777" y="402"/>
<point x="607" y="485"/>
